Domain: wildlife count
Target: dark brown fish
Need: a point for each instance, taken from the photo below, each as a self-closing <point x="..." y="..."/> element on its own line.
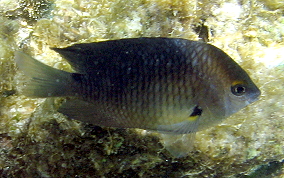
<point x="169" y="85"/>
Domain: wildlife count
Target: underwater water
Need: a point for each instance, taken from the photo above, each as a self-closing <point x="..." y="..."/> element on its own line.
<point x="37" y="141"/>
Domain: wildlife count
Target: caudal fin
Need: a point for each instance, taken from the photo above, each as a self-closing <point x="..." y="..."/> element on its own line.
<point x="45" y="80"/>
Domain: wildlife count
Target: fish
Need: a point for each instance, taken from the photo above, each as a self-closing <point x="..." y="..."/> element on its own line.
<point x="168" y="85"/>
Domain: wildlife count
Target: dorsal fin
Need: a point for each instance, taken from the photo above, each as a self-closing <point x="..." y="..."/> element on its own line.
<point x="76" y="55"/>
<point x="97" y="56"/>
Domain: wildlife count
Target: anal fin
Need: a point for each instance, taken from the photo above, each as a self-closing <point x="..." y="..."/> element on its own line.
<point x="79" y="110"/>
<point x="88" y="112"/>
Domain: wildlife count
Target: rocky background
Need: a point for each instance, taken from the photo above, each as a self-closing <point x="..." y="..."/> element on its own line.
<point x="37" y="141"/>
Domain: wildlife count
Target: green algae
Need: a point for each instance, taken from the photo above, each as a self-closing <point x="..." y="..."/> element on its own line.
<point x="30" y="10"/>
<point x="7" y="45"/>
<point x="274" y="4"/>
<point x="273" y="169"/>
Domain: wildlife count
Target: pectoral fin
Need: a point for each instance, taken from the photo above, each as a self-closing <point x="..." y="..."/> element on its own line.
<point x="180" y="136"/>
<point x="190" y="125"/>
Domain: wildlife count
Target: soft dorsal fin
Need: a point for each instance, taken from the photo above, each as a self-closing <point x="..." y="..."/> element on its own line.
<point x="76" y="55"/>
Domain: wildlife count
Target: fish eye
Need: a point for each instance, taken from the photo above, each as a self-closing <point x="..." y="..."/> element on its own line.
<point x="238" y="89"/>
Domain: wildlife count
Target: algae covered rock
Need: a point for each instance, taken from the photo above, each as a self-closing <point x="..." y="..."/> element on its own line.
<point x="37" y="141"/>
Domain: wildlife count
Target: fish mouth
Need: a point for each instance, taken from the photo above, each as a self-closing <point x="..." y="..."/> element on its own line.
<point x="232" y="106"/>
<point x="254" y="96"/>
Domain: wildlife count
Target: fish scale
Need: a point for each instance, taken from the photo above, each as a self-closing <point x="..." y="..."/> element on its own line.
<point x="169" y="85"/>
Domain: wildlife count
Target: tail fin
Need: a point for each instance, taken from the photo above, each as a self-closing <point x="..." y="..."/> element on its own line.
<point x="45" y="80"/>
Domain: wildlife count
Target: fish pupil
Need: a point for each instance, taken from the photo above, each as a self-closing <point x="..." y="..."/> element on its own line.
<point x="196" y="112"/>
<point x="238" y="90"/>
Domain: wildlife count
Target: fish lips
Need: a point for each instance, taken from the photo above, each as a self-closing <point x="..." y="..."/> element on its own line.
<point x="254" y="96"/>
